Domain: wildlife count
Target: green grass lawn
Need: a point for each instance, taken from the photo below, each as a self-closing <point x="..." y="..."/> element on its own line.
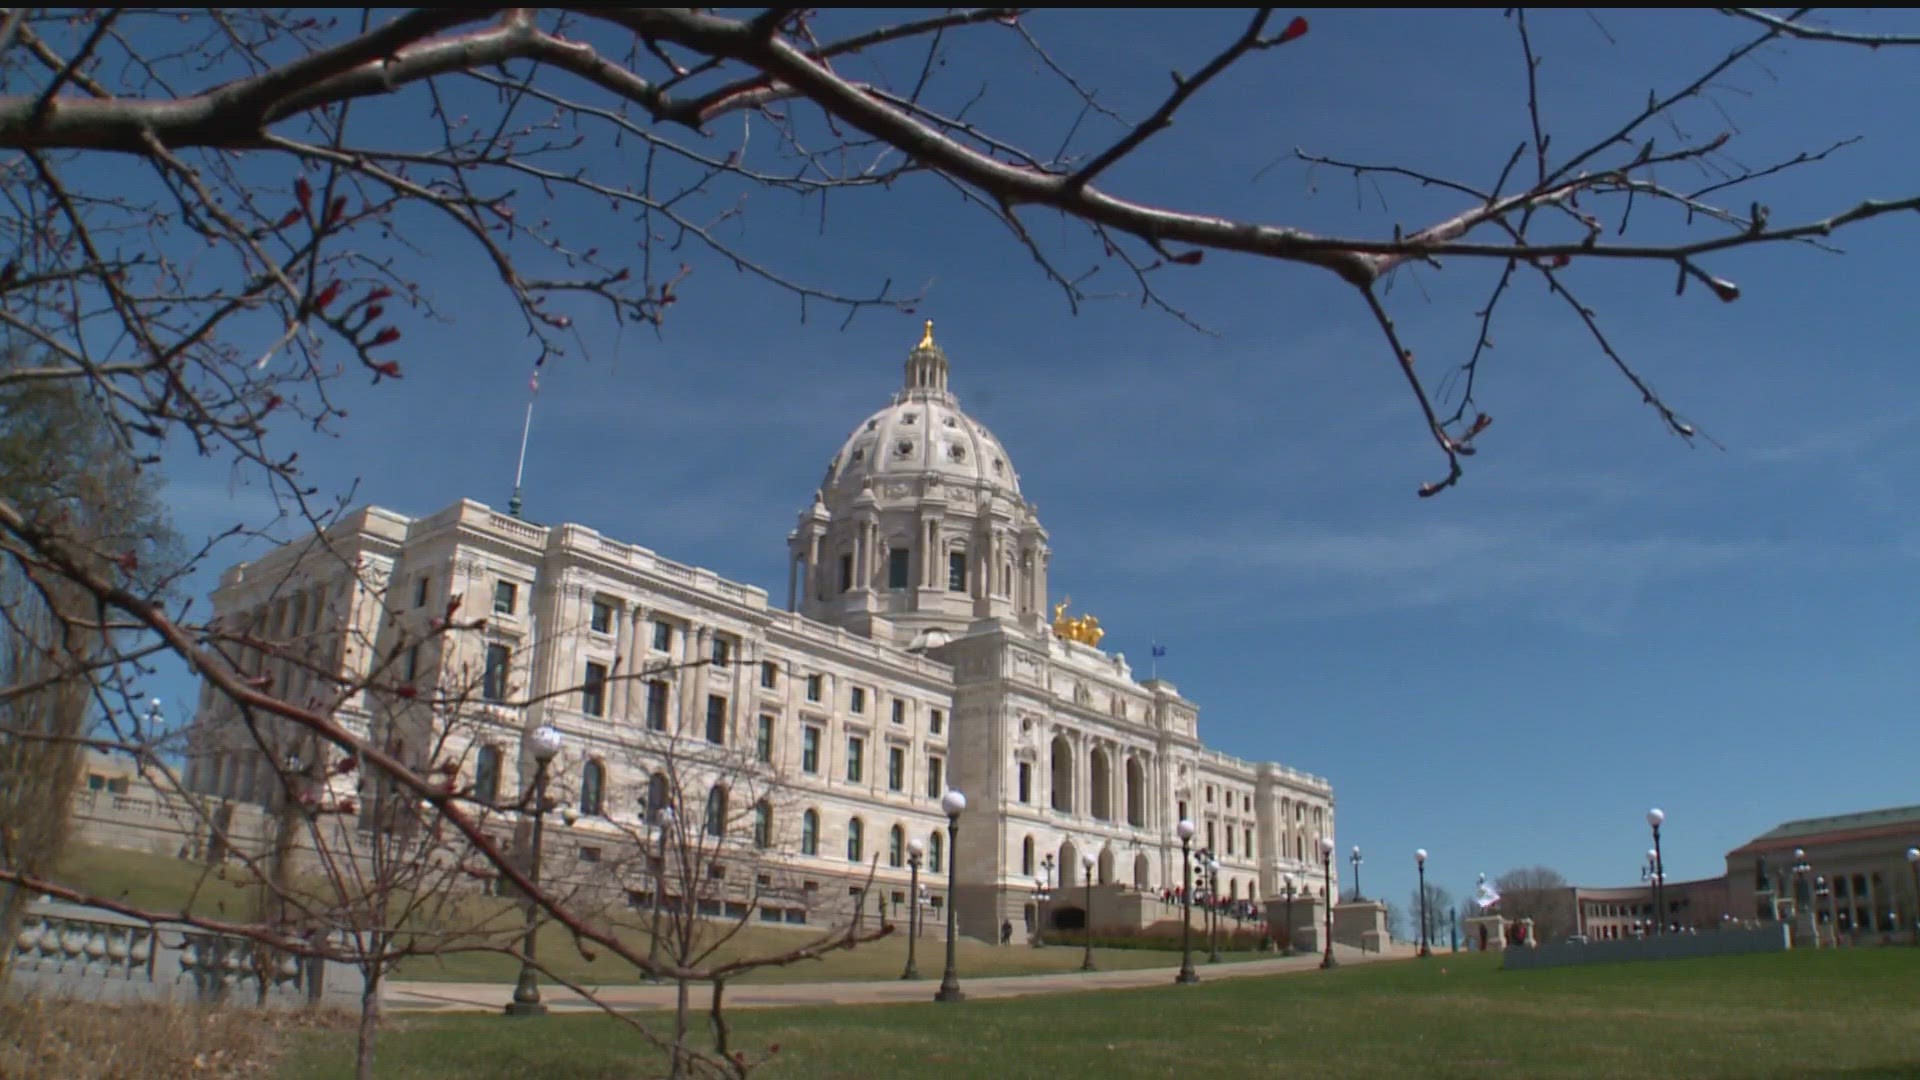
<point x="174" y="885"/>
<point x="1852" y="1013"/>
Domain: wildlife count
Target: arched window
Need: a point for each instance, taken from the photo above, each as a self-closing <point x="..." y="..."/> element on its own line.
<point x="856" y="840"/>
<point x="810" y="833"/>
<point x="1026" y="856"/>
<point x="763" y="824"/>
<point x="936" y="847"/>
<point x="656" y="796"/>
<point x="716" y="811"/>
<point x="593" y="786"/>
<point x="1100" y="790"/>
<point x="1136" y="793"/>
<point x="486" y="775"/>
<point x="896" y="846"/>
<point x="1062" y="774"/>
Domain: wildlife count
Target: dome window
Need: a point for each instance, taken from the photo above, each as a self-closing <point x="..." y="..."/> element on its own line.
<point x="871" y="424"/>
<point x="999" y="466"/>
<point x="857" y="455"/>
<point x="957" y="452"/>
<point x="950" y="422"/>
<point x="909" y="418"/>
<point x="903" y="447"/>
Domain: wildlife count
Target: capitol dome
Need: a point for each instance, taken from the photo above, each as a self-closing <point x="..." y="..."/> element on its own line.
<point x="919" y="530"/>
<point x="922" y="433"/>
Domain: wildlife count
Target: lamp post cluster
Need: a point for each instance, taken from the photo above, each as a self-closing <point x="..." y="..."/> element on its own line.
<point x="1288" y="887"/>
<point x="1042" y="896"/>
<point x="1356" y="860"/>
<point x="1086" y="921"/>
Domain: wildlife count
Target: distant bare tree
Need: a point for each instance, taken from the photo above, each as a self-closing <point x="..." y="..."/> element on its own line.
<point x="1541" y="894"/>
<point x="1439" y="911"/>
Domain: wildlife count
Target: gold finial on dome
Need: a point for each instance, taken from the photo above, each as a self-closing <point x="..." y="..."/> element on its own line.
<point x="926" y="339"/>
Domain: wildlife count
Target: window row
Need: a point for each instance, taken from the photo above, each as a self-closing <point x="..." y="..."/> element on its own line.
<point x="897" y="845"/>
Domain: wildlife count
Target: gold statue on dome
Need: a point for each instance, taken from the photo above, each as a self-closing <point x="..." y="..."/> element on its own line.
<point x="926" y="339"/>
<point x="1084" y="629"/>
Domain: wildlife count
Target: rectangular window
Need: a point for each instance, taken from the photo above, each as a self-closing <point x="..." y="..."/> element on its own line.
<point x="662" y="636"/>
<point x="420" y="586"/>
<point x="413" y="663"/>
<point x="602" y="618"/>
<point x="769" y="674"/>
<point x="957" y="571"/>
<point x="493" y="683"/>
<point x="1026" y="781"/>
<point x="857" y="700"/>
<point x="899" y="711"/>
<point x="896" y="768"/>
<point x="763" y="741"/>
<point x="936" y="780"/>
<point x="856" y="758"/>
<point x="936" y="721"/>
<point x="810" y="750"/>
<point x="593" y="690"/>
<point x="656" y="706"/>
<point x="1181" y="813"/>
<point x="1209" y="836"/>
<point x="846" y="573"/>
<point x="722" y="651"/>
<point x="813" y="687"/>
<point x="1229" y="840"/>
<point x="505" y="595"/>
<point x="1247" y="835"/>
<point x="897" y="564"/>
<point x="716" y="720"/>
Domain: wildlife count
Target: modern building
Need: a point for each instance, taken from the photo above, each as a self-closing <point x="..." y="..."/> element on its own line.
<point x="1606" y="914"/>
<point x="1850" y="871"/>
<point x="917" y="651"/>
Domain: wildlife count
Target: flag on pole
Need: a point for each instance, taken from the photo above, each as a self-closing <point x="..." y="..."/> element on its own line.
<point x="1486" y="896"/>
<point x="1159" y="651"/>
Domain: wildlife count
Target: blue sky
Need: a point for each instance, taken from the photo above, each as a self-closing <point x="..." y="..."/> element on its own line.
<point x="1598" y="620"/>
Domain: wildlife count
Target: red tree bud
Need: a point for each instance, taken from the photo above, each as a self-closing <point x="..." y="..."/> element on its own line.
<point x="385" y="337"/>
<point x="378" y="294"/>
<point x="1295" y="29"/>
<point x="302" y="191"/>
<point x="326" y="296"/>
<point x="288" y="218"/>
<point x="1188" y="258"/>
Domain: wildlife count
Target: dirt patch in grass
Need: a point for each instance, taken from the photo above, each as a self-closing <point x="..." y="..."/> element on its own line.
<point x="81" y="1041"/>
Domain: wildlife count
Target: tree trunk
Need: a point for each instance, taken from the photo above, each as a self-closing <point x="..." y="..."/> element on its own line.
<point x="369" y="1025"/>
<point x="678" y="1070"/>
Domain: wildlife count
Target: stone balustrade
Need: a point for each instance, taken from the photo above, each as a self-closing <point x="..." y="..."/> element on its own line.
<point x="70" y="951"/>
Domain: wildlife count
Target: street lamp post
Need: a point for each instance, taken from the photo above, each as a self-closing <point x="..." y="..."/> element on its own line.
<point x="1086" y="922"/>
<point x="664" y="819"/>
<point x="1213" y="905"/>
<point x="1326" y="893"/>
<point x="1650" y="873"/>
<point x="1420" y="862"/>
<point x="952" y="802"/>
<point x="1184" y="830"/>
<point x="1654" y="817"/>
<point x="1043" y="895"/>
<point x="545" y="744"/>
<point x="916" y="849"/>
<point x="1288" y="882"/>
<point x="1913" y="865"/>
<point x="1356" y="860"/>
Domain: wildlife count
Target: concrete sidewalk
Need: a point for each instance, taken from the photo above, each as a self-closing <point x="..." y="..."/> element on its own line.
<point x="491" y="997"/>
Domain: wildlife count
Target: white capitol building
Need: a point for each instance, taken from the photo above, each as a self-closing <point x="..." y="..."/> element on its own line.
<point x="917" y="651"/>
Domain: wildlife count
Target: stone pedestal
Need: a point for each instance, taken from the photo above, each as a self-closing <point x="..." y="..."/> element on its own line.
<point x="1361" y="924"/>
<point x="1485" y="933"/>
<point x="1307" y="915"/>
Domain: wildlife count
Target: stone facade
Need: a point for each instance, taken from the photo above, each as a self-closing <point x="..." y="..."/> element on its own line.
<point x="916" y="654"/>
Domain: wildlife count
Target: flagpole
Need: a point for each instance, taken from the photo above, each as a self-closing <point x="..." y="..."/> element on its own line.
<point x="526" y="428"/>
<point x="1153" y="663"/>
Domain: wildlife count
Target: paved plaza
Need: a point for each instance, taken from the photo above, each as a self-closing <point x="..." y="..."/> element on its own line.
<point x="491" y="997"/>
